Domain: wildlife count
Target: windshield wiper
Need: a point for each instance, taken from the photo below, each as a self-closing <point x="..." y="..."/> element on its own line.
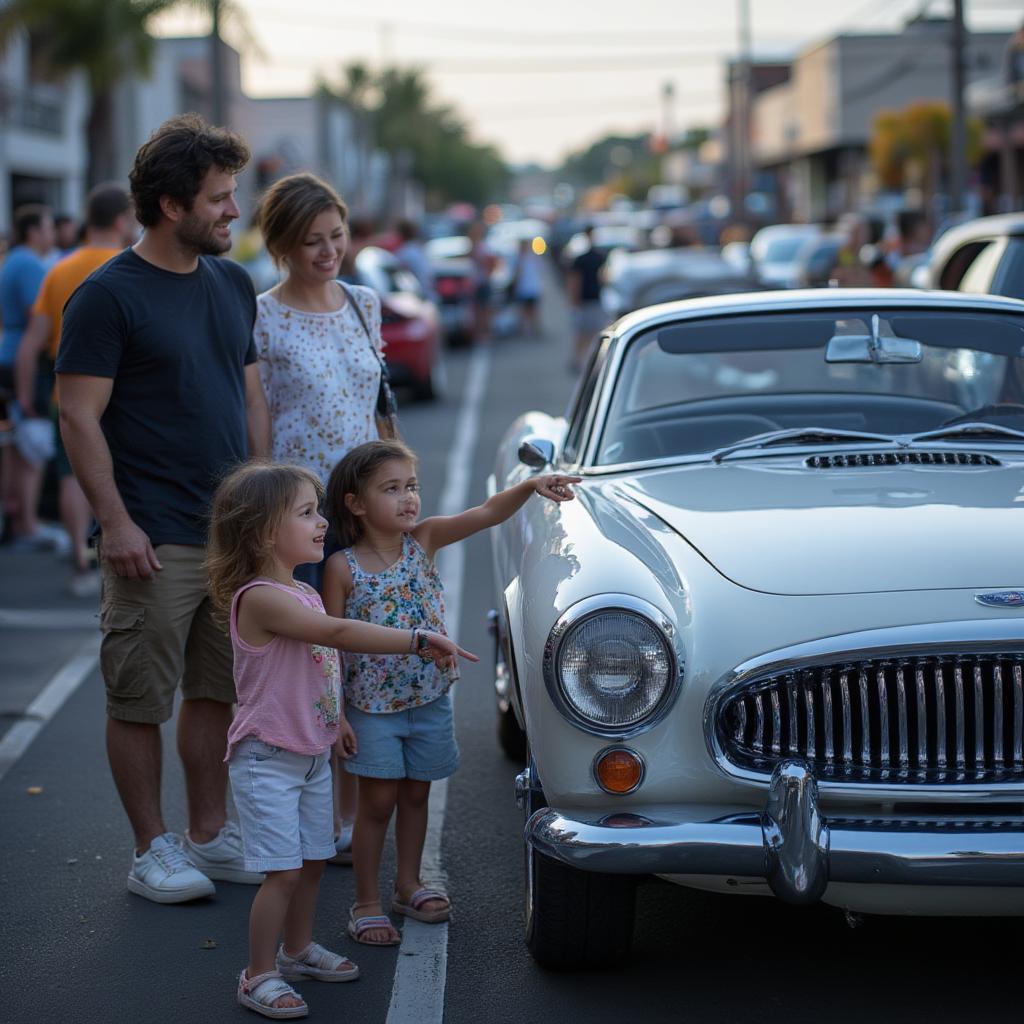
<point x="797" y="435"/>
<point x="976" y="429"/>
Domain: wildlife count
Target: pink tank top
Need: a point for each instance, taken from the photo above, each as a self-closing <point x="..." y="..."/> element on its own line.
<point x="289" y="691"/>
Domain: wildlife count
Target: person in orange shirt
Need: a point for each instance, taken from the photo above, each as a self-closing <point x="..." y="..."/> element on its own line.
<point x="110" y="226"/>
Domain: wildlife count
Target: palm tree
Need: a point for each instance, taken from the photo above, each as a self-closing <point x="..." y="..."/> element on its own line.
<point x="107" y="39"/>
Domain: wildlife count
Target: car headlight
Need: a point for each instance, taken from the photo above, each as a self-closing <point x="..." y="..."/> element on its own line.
<point x="610" y="666"/>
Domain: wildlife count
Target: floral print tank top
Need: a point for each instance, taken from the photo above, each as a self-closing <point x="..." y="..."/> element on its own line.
<point x="406" y="595"/>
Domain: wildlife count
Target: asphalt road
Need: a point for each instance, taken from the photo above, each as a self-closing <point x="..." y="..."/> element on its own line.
<point x="76" y="947"/>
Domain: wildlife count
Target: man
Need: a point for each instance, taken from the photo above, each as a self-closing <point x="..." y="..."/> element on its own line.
<point x="584" y="288"/>
<point x="22" y="468"/>
<point x="66" y="228"/>
<point x="109" y="227"/>
<point x="159" y="394"/>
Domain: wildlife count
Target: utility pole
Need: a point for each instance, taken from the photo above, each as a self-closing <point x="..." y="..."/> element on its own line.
<point x="217" y="104"/>
<point x="742" y="89"/>
<point x="958" y="135"/>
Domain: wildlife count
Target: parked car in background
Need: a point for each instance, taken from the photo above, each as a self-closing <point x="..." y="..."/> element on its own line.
<point x="983" y="255"/>
<point x="608" y="237"/>
<point x="410" y="325"/>
<point x="637" y="279"/>
<point x="776" y="645"/>
<point x="737" y="255"/>
<point x="816" y="259"/>
<point x="774" y="253"/>
<point x="453" y="282"/>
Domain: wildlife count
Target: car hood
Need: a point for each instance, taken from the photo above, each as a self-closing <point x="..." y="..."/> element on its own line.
<point x="776" y="526"/>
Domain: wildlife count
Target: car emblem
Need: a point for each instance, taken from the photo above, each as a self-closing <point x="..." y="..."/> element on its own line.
<point x="1001" y="598"/>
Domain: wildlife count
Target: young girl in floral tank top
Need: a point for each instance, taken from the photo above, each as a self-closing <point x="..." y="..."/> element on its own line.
<point x="399" y="708"/>
<point x="265" y="522"/>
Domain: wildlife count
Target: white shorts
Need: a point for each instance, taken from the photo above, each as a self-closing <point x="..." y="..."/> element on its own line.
<point x="285" y="804"/>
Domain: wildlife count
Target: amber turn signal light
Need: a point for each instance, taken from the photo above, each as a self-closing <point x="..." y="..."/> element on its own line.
<point x="618" y="770"/>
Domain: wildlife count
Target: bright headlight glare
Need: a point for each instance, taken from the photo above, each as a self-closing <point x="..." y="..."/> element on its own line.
<point x="614" y="668"/>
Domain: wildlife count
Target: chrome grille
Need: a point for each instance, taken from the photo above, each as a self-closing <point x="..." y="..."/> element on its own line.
<point x="952" y="718"/>
<point x="850" y="460"/>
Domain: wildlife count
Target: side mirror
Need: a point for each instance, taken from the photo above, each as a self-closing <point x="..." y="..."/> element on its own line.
<point x="537" y="452"/>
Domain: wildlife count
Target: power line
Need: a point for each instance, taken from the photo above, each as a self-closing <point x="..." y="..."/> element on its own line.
<point x="540" y="108"/>
<point x="450" y="65"/>
<point x="308" y="15"/>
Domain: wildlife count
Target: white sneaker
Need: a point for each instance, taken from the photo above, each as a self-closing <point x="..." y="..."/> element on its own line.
<point x="164" y="874"/>
<point x="56" y="538"/>
<point x="85" y="584"/>
<point x="222" y="857"/>
<point x="343" y="845"/>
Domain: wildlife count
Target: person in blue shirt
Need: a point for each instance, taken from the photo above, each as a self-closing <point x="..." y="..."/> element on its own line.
<point x="22" y="274"/>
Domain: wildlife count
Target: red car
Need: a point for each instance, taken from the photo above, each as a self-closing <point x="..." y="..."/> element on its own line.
<point x="410" y="326"/>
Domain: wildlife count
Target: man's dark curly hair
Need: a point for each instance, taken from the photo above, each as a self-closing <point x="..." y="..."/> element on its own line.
<point x="175" y="160"/>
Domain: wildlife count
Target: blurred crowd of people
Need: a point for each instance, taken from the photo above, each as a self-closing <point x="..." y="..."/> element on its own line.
<point x="50" y="255"/>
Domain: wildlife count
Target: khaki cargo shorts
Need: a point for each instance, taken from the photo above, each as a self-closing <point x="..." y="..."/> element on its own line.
<point x="159" y="632"/>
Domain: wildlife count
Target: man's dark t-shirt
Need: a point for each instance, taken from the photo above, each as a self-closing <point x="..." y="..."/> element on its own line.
<point x="588" y="265"/>
<point x="176" y="346"/>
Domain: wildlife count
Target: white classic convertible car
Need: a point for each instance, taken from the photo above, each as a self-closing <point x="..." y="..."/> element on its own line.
<point x="777" y="643"/>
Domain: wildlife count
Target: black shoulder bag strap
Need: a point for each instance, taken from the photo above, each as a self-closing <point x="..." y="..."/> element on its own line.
<point x="387" y="407"/>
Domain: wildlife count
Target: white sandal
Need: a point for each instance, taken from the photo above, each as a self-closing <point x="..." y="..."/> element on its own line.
<point x="317" y="963"/>
<point x="259" y="994"/>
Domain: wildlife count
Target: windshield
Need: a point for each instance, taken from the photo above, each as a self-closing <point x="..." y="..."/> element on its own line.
<point x="693" y="388"/>
<point x="783" y="250"/>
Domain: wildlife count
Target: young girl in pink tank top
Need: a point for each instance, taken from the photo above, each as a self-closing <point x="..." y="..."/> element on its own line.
<point x="265" y="522"/>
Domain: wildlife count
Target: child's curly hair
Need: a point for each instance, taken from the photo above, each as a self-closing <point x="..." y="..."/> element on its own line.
<point x="350" y="476"/>
<point x="248" y="507"/>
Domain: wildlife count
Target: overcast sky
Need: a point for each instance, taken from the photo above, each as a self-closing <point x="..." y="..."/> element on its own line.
<point x="540" y="78"/>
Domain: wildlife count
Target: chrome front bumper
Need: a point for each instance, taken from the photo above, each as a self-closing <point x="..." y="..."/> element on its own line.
<point x="790" y="844"/>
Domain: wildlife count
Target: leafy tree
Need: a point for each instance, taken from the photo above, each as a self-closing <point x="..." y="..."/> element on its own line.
<point x="410" y="126"/>
<point x="911" y="146"/>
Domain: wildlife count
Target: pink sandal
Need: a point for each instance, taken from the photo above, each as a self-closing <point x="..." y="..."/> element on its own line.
<point x="359" y="926"/>
<point x="260" y="993"/>
<point x="416" y="901"/>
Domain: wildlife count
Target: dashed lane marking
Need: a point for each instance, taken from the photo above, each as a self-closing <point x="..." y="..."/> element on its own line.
<point x="41" y="618"/>
<point x="64" y="682"/>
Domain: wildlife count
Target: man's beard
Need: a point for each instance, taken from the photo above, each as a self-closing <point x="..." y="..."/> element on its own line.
<point x="194" y="234"/>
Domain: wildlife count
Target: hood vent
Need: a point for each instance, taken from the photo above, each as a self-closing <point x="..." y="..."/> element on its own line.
<point x="849" y="460"/>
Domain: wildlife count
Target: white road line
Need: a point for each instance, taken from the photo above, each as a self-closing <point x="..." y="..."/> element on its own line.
<point x="41" y="618"/>
<point x="418" y="993"/>
<point x="65" y="681"/>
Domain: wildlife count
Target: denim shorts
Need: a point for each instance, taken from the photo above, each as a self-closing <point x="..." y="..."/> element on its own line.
<point x="415" y="744"/>
<point x="285" y="804"/>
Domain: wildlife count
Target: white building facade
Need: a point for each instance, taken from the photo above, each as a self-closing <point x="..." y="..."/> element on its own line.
<point x="43" y="154"/>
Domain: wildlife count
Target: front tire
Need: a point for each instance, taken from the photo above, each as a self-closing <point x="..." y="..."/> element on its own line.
<point x="510" y="735"/>
<point x="577" y="919"/>
<point x="574" y="919"/>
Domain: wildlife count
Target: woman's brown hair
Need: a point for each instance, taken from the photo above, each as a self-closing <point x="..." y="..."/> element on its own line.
<point x="350" y="476"/>
<point x="288" y="208"/>
<point x="248" y="507"/>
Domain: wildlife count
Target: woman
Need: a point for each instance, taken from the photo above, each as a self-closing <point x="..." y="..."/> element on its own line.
<point x="320" y="366"/>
